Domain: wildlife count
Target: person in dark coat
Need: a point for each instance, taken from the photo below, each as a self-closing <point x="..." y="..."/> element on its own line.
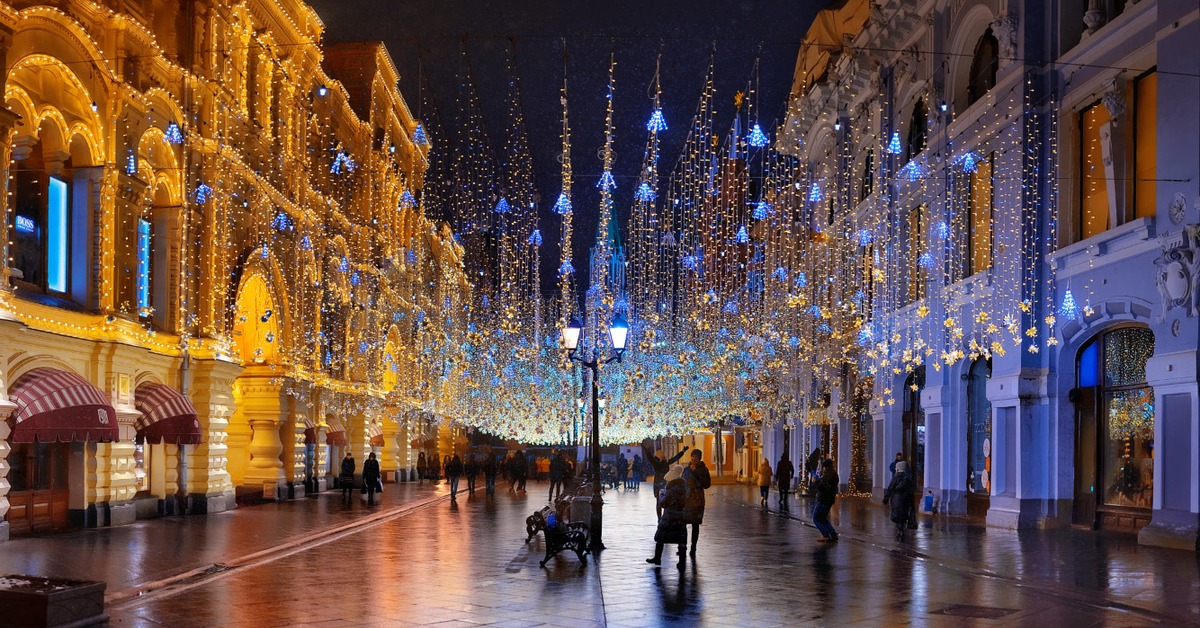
<point x="660" y="466"/>
<point x="491" y="467"/>
<point x="560" y="471"/>
<point x="435" y="469"/>
<point x="696" y="476"/>
<point x="672" y="525"/>
<point x="471" y="469"/>
<point x="784" y="472"/>
<point x="520" y="470"/>
<point x="346" y="479"/>
<point x="422" y="468"/>
<point x="899" y="498"/>
<point x="826" y="489"/>
<point x="622" y="470"/>
<point x="371" y="476"/>
<point x="812" y="466"/>
<point x="454" y="469"/>
<point x="636" y="473"/>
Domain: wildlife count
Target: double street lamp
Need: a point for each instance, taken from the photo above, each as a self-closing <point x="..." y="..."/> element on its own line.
<point x="618" y="332"/>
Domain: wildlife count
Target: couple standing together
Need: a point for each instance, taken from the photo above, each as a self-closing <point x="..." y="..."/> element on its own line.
<point x="680" y="494"/>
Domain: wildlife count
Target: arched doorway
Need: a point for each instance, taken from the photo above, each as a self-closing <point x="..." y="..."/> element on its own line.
<point x="914" y="428"/>
<point x="979" y="439"/>
<point x="1114" y="430"/>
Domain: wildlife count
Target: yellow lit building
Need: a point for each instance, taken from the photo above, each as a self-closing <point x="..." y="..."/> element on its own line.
<point x="219" y="277"/>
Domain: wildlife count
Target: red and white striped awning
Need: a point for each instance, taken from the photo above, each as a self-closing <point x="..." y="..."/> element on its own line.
<point x="167" y="416"/>
<point x="55" y="405"/>
<point x="335" y="434"/>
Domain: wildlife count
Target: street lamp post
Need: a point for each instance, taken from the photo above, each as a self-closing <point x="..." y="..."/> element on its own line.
<point x="619" y="333"/>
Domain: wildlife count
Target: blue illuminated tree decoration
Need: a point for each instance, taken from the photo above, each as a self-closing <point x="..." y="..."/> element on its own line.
<point x="419" y="136"/>
<point x="344" y="265"/>
<point x="657" y="122"/>
<point x="363" y="346"/>
<point x="970" y="163"/>
<point x="305" y="243"/>
<point x="266" y="251"/>
<point x="742" y="236"/>
<point x="203" y="191"/>
<point x="942" y="229"/>
<point x="535" y="238"/>
<point x="762" y="210"/>
<point x="355" y="278"/>
<point x="913" y="171"/>
<point x="780" y="274"/>
<point x="173" y="135"/>
<point x="282" y="222"/>
<point x="894" y="147"/>
<point x="1068" y="309"/>
<point x="565" y="269"/>
<point x="563" y="205"/>
<point x="342" y="161"/>
<point x="502" y="206"/>
<point x="606" y="181"/>
<point x="756" y="137"/>
<point x="865" y="336"/>
<point x="925" y="260"/>
<point x="410" y="256"/>
<point x="645" y="193"/>
<point x="865" y="237"/>
<point x="131" y="164"/>
<point x="407" y="200"/>
<point x="814" y="193"/>
<point x="730" y="308"/>
<point x="801" y="280"/>
<point x="690" y="262"/>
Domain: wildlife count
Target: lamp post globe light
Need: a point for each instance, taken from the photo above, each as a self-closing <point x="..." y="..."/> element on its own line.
<point x="618" y="332"/>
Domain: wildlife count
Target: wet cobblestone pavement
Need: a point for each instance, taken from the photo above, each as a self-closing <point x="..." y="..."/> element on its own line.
<point x="430" y="562"/>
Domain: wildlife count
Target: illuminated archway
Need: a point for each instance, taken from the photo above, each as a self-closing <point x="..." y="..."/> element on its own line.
<point x="256" y="323"/>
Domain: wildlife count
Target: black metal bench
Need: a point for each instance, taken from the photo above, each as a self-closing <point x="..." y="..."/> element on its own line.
<point x="566" y="536"/>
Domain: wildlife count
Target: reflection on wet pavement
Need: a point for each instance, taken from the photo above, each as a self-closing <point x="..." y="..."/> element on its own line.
<point x="465" y="564"/>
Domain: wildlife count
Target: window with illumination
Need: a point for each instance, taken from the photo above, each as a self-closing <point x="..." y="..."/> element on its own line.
<point x="1145" y="145"/>
<point x="916" y="253"/>
<point x="1094" y="134"/>
<point x="40" y="228"/>
<point x="144" y="251"/>
<point x="981" y="196"/>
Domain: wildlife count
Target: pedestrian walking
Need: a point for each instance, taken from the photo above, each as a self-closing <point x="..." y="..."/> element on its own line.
<point x="622" y="470"/>
<point x="445" y="463"/>
<point x="672" y="526"/>
<point x="435" y="469"/>
<point x="422" y="468"/>
<point x="660" y="466"/>
<point x="471" y="469"/>
<point x="764" y="481"/>
<point x="558" y="470"/>
<point x="827" y="488"/>
<point x="454" y="470"/>
<point x="892" y="466"/>
<point x="899" y="498"/>
<point x="346" y="479"/>
<point x="637" y="473"/>
<point x="784" y="472"/>
<point x="696" y="476"/>
<point x="371" y="478"/>
<point x="491" y="467"/>
<point x="521" y="469"/>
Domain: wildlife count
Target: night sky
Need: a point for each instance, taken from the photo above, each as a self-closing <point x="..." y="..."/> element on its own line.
<point x="430" y="33"/>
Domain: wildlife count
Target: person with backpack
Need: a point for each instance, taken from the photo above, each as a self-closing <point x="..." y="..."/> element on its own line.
<point x="899" y="498"/>
<point x="826" y="489"/>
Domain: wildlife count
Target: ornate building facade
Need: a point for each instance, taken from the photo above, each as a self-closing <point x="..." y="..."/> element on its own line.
<point x="1010" y="196"/>
<point x="220" y="277"/>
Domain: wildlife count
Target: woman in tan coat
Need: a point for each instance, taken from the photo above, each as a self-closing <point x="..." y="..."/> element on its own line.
<point x="764" y="481"/>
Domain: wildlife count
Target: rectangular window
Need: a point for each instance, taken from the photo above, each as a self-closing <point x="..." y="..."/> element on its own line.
<point x="1145" y="144"/>
<point x="1093" y="187"/>
<point x="982" y="199"/>
<point x="56" y="235"/>
<point x="143" y="265"/>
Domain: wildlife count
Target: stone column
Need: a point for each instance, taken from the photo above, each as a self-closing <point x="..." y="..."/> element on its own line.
<point x="115" y="481"/>
<point x="291" y="438"/>
<point x="1175" y="521"/>
<point x="1025" y="465"/>
<point x="6" y="408"/>
<point x="389" y="457"/>
<point x="209" y="486"/>
<point x="261" y="404"/>
<point x="888" y="438"/>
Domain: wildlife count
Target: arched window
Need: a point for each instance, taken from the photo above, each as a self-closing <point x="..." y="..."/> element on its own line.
<point x="984" y="64"/>
<point x="41" y="222"/>
<point x="917" y="130"/>
<point x="1115" y="415"/>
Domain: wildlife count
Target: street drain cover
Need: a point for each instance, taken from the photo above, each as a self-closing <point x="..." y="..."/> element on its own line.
<point x="975" y="612"/>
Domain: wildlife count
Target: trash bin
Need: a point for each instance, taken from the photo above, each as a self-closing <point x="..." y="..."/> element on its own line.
<point x="581" y="509"/>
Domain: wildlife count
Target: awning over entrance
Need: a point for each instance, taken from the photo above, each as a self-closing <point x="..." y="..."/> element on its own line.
<point x="54" y="405"/>
<point x="167" y="416"/>
<point x="335" y="434"/>
<point x="310" y="436"/>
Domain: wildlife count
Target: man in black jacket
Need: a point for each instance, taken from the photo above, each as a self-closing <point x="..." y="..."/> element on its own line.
<point x="346" y="479"/>
<point x="371" y="477"/>
<point x="784" y="472"/>
<point x="660" y="466"/>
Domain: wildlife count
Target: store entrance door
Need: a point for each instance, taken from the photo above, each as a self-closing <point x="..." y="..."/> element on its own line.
<point x="38" y="498"/>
